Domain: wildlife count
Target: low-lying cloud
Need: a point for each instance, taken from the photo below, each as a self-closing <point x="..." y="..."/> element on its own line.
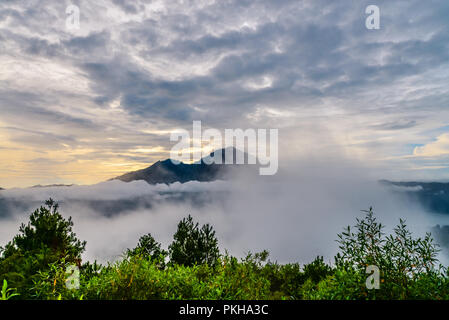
<point x="296" y="215"/>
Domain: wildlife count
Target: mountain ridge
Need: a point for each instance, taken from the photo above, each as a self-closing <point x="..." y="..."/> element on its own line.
<point x="167" y="171"/>
<point x="433" y="196"/>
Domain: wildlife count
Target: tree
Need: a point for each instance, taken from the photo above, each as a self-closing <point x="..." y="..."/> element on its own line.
<point x="148" y="247"/>
<point x="194" y="245"/>
<point x="47" y="238"/>
<point x="47" y="230"/>
<point x="401" y="258"/>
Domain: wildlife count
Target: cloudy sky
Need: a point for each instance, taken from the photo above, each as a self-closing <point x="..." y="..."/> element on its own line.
<point x="84" y="105"/>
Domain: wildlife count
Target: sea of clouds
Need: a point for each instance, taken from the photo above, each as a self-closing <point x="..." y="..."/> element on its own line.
<point x="296" y="214"/>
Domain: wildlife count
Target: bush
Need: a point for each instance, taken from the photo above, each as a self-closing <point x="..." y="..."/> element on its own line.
<point x="404" y="262"/>
<point x="138" y="278"/>
<point x="35" y="262"/>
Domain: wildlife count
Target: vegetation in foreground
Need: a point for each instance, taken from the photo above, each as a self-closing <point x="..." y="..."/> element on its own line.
<point x="38" y="263"/>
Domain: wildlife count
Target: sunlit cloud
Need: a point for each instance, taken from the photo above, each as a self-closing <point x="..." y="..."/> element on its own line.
<point x="436" y="148"/>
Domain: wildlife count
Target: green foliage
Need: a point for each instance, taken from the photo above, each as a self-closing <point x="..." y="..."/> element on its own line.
<point x="344" y="284"/>
<point x="37" y="260"/>
<point x="194" y="245"/>
<point x="138" y="278"/>
<point x="317" y="270"/>
<point x="405" y="263"/>
<point x="46" y="239"/>
<point x="47" y="229"/>
<point x="149" y="248"/>
<point x="348" y="284"/>
<point x="6" y="293"/>
<point x="399" y="255"/>
<point x="287" y="280"/>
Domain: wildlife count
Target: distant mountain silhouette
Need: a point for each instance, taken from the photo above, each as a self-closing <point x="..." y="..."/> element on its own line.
<point x="433" y="196"/>
<point x="441" y="235"/>
<point x="52" y="185"/>
<point x="168" y="172"/>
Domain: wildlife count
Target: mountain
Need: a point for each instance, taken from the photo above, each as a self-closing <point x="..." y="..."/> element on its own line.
<point x="168" y="172"/>
<point x="52" y="185"/>
<point x="441" y="234"/>
<point x="434" y="196"/>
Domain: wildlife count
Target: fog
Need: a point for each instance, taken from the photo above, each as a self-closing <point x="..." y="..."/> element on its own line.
<point x="295" y="214"/>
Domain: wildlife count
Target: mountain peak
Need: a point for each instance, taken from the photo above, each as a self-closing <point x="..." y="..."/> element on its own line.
<point x="167" y="171"/>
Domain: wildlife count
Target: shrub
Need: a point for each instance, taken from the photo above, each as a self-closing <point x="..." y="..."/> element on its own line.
<point x="6" y="293"/>
<point x="402" y="260"/>
<point x="35" y="262"/>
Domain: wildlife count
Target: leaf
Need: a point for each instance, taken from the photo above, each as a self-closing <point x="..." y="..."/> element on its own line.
<point x="5" y="286"/>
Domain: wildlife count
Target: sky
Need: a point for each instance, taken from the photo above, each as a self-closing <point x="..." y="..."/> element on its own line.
<point x="85" y="105"/>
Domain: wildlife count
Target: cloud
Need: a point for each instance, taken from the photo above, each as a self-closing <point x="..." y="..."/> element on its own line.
<point x="396" y="125"/>
<point x="406" y="188"/>
<point x="439" y="147"/>
<point x="159" y="65"/>
<point x="295" y="215"/>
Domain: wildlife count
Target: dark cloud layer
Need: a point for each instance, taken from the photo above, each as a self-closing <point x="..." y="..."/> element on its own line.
<point x="311" y="50"/>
